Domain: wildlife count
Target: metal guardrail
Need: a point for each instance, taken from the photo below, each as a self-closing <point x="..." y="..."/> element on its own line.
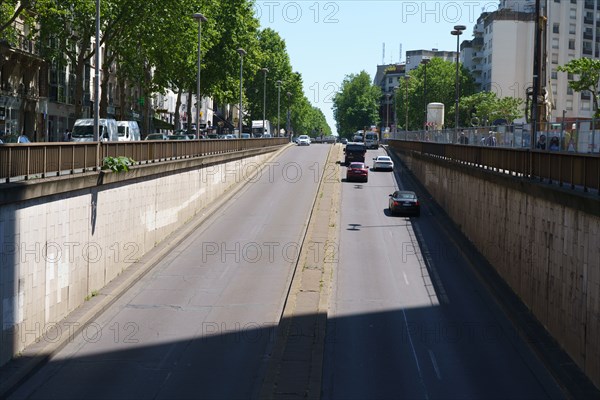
<point x="563" y="168"/>
<point x="43" y="160"/>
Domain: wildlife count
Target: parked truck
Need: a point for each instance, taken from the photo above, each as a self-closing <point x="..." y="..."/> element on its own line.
<point x="261" y="128"/>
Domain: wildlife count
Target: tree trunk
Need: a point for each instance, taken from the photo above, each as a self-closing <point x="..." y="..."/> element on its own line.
<point x="177" y="105"/>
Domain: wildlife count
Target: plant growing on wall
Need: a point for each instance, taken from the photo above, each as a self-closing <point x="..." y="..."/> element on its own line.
<point x="117" y="164"/>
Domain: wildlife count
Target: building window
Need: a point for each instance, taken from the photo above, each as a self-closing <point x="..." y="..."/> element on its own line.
<point x="571" y="44"/>
<point x="573" y="13"/>
<point x="490" y="59"/>
<point x="554" y="58"/>
<point x="555" y="43"/>
<point x="585" y="105"/>
<point x="555" y="28"/>
<point x="569" y="90"/>
<point x="570" y="76"/>
<point x="569" y="104"/>
<point x="572" y="29"/>
<point x="554" y="74"/>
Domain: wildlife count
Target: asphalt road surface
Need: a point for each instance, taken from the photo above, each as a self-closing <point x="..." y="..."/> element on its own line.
<point x="409" y="318"/>
<point x="201" y="323"/>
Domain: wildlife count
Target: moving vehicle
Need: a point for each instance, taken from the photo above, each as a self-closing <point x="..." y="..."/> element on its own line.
<point x="383" y="163"/>
<point x="372" y="140"/>
<point x="303" y="140"/>
<point x="357" y="171"/>
<point x="129" y="131"/>
<point x="404" y="202"/>
<point x="83" y="130"/>
<point x="354" y="152"/>
<point x="257" y="128"/>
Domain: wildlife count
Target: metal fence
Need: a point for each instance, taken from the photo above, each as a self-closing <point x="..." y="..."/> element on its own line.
<point x="43" y="160"/>
<point x="580" y="136"/>
<point x="564" y="168"/>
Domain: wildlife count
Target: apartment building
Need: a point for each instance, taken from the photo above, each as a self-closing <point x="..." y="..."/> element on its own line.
<point x="500" y="55"/>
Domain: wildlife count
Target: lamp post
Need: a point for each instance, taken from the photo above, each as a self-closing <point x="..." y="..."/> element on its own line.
<point x="242" y="53"/>
<point x="97" y="81"/>
<point x="289" y="122"/>
<point x="278" y="105"/>
<point x="406" y="78"/>
<point x="387" y="111"/>
<point x="458" y="30"/>
<point x="425" y="62"/>
<point x="264" y="70"/>
<point x="200" y="18"/>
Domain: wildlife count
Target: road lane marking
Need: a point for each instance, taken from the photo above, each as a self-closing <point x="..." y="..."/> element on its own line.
<point x="405" y="278"/>
<point x="435" y="366"/>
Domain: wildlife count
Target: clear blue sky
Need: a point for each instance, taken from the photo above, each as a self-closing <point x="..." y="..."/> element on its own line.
<point x="327" y="40"/>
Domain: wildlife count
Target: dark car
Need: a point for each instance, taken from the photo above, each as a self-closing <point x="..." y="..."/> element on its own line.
<point x="355" y="152"/>
<point x="357" y="171"/>
<point x="403" y="202"/>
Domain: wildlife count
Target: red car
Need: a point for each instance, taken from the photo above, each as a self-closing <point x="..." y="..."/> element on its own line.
<point x="357" y="171"/>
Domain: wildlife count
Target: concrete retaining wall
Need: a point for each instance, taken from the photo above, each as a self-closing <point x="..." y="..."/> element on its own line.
<point x="57" y="250"/>
<point x="542" y="240"/>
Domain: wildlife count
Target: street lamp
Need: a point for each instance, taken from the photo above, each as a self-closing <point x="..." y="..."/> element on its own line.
<point x="242" y="53"/>
<point x="278" y="105"/>
<point x="387" y="112"/>
<point x="200" y="18"/>
<point x="406" y="78"/>
<point x="458" y="30"/>
<point x="264" y="70"/>
<point x="97" y="81"/>
<point x="425" y="62"/>
<point x="289" y="95"/>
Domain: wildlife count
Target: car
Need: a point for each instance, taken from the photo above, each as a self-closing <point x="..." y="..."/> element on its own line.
<point x="404" y="202"/>
<point x="357" y="171"/>
<point x="178" y="137"/>
<point x="344" y="140"/>
<point x="383" y="163"/>
<point x="245" y="136"/>
<point x="354" y="152"/>
<point x="303" y="140"/>
<point x="156" y="136"/>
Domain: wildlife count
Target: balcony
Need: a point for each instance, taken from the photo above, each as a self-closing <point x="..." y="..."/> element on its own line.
<point x="588" y="20"/>
<point x="588" y="35"/>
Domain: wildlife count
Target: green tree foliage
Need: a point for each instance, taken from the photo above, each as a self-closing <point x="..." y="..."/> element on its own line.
<point x="486" y="107"/>
<point x="588" y="72"/>
<point x="441" y="88"/>
<point x="356" y="105"/>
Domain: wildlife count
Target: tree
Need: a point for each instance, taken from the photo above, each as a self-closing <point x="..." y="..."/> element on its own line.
<point x="441" y="88"/>
<point x="588" y="71"/>
<point x="486" y="107"/>
<point x="356" y="105"/>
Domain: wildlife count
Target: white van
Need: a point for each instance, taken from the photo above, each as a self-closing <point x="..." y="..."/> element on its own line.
<point x="129" y="131"/>
<point x="83" y="130"/>
<point x="372" y="140"/>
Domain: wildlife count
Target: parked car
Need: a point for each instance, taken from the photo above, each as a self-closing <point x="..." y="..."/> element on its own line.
<point x="303" y="140"/>
<point x="246" y="136"/>
<point x="344" y="140"/>
<point x="156" y="136"/>
<point x="178" y="137"/>
<point x="404" y="202"/>
<point x="357" y="171"/>
<point x="129" y="131"/>
<point x="383" y="163"/>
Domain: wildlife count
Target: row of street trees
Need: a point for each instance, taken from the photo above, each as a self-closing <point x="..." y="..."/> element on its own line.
<point x="153" y="44"/>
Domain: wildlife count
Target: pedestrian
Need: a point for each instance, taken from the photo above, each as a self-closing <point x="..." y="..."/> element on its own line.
<point x="554" y="144"/>
<point x="571" y="145"/>
<point x="23" y="138"/>
<point x="463" y="139"/>
<point x="541" y="143"/>
<point x="491" y="140"/>
<point x="67" y="135"/>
